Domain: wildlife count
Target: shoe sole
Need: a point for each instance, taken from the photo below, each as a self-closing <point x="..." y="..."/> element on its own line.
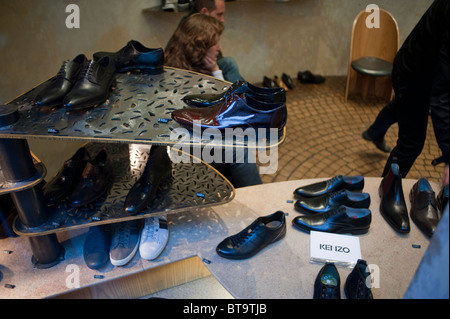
<point x="124" y="261"/>
<point x="354" y="231"/>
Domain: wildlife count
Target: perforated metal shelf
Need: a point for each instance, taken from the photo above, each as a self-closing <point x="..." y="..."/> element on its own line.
<point x="192" y="185"/>
<point x="138" y="110"/>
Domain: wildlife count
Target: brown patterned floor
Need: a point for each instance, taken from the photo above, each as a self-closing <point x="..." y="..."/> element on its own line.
<point x="324" y="137"/>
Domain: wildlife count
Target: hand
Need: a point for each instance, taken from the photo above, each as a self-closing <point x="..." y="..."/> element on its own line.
<point x="445" y="176"/>
<point x="211" y="63"/>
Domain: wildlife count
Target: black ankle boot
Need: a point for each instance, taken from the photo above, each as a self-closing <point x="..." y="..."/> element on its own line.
<point x="393" y="205"/>
<point x="157" y="171"/>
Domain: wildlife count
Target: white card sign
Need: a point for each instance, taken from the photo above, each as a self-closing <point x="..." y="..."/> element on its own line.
<point x="343" y="250"/>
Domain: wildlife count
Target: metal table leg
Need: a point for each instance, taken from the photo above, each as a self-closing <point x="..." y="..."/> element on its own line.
<point x="17" y="165"/>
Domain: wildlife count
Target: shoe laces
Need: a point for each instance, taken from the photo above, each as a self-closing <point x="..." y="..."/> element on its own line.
<point x="149" y="230"/>
<point x="333" y="180"/>
<point x="63" y="69"/>
<point x="122" y="235"/>
<point x="87" y="71"/>
<point x="242" y="237"/>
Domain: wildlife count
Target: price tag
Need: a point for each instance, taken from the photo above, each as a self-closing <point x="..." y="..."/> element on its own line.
<point x="343" y="250"/>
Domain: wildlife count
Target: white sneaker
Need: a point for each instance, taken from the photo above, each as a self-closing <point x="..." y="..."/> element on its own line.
<point x="154" y="237"/>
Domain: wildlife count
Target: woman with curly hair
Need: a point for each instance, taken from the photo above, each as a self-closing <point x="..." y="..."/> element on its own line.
<point x="195" y="45"/>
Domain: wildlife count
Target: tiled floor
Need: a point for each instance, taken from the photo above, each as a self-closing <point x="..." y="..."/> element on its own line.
<point x="324" y="137"/>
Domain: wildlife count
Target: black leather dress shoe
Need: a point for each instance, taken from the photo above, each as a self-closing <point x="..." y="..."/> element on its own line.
<point x="337" y="183"/>
<point x="261" y="233"/>
<point x="328" y="283"/>
<point x="268" y="95"/>
<point x="324" y="203"/>
<point x="63" y="183"/>
<point x="234" y="112"/>
<point x="54" y="92"/>
<point x="424" y="212"/>
<point x="96" y="246"/>
<point x="393" y="205"/>
<point x="94" y="182"/>
<point x="135" y="56"/>
<point x="157" y="171"/>
<point x="93" y="85"/>
<point x="356" y="284"/>
<point x="342" y="220"/>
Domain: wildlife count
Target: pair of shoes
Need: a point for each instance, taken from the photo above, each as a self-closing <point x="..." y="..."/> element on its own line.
<point x="234" y="112"/>
<point x="96" y="246"/>
<point x="380" y="143"/>
<point x="341" y="220"/>
<point x="327" y="202"/>
<point x="425" y="211"/>
<point x="128" y="238"/>
<point x="135" y="56"/>
<point x="307" y="77"/>
<point x="328" y="283"/>
<point x="268" y="95"/>
<point x="393" y="205"/>
<point x="337" y="183"/>
<point x="81" y="179"/>
<point x="157" y="171"/>
<point x="285" y="82"/>
<point x="262" y="232"/>
<point x="80" y="83"/>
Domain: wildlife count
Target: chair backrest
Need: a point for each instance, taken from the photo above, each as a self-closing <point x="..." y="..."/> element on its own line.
<point x="381" y="41"/>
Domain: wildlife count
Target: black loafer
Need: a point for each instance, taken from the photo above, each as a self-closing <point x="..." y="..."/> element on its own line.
<point x="59" y="86"/>
<point x="157" y="171"/>
<point x="288" y="81"/>
<point x="342" y="220"/>
<point x="261" y="233"/>
<point x="393" y="205"/>
<point x="424" y="212"/>
<point x="268" y="95"/>
<point x="94" y="182"/>
<point x="93" y="86"/>
<point x="63" y="183"/>
<point x="135" y="56"/>
<point x="96" y="246"/>
<point x="328" y="283"/>
<point x="327" y="202"/>
<point x="356" y="284"/>
<point x="337" y="183"/>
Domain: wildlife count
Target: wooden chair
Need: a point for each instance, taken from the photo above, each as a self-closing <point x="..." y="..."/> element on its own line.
<point x="372" y="51"/>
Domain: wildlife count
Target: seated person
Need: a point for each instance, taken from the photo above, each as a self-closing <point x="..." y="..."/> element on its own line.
<point x="194" y="46"/>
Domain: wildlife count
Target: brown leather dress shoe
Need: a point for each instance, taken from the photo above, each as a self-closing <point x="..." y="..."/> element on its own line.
<point x="234" y="112"/>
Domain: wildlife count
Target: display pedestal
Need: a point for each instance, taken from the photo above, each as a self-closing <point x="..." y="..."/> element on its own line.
<point x="281" y="271"/>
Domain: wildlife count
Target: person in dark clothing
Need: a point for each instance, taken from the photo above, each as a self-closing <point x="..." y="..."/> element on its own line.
<point x="420" y="79"/>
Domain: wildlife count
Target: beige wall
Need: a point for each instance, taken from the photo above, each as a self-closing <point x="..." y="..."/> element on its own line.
<point x="265" y="37"/>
